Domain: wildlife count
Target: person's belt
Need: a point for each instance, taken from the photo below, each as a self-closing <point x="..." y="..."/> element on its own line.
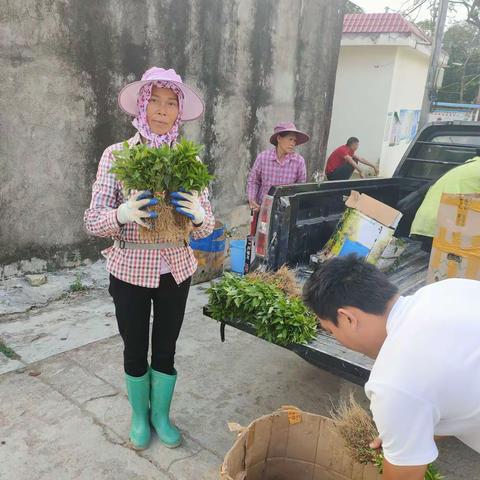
<point x="146" y="246"/>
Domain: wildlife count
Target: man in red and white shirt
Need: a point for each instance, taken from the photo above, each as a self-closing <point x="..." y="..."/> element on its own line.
<point x="277" y="166"/>
<point x="343" y="161"/>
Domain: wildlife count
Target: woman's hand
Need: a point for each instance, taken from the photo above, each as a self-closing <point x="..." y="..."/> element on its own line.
<point x="132" y="209"/>
<point x="188" y="204"/>
<point x="254" y="205"/>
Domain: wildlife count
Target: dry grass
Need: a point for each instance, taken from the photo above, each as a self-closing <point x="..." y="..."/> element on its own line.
<point x="357" y="430"/>
<point x="284" y="279"/>
<point x="169" y="226"/>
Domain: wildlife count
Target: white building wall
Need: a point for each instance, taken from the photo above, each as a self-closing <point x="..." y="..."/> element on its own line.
<point x="361" y="100"/>
<point x="409" y="77"/>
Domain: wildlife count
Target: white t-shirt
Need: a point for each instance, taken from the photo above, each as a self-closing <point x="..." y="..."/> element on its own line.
<point x="426" y="378"/>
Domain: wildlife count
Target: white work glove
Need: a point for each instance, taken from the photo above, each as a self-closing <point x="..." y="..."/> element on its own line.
<point x="132" y="209"/>
<point x="188" y="204"/>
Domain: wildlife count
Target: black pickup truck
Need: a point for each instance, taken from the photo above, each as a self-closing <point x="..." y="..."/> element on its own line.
<point x="296" y="221"/>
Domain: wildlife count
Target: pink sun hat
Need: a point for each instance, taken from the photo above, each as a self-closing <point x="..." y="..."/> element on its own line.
<point x="302" y="137"/>
<point x="193" y="105"/>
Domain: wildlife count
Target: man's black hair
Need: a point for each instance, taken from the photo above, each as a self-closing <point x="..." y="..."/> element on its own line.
<point x="347" y="282"/>
<point x="352" y="140"/>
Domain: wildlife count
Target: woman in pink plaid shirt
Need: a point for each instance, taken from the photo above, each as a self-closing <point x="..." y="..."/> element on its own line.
<point x="144" y="273"/>
<point x="277" y="166"/>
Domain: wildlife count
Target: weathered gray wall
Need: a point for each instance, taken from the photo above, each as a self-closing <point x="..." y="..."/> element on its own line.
<point x="62" y="63"/>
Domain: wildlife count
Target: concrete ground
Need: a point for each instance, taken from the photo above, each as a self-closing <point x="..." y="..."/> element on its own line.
<point x="63" y="409"/>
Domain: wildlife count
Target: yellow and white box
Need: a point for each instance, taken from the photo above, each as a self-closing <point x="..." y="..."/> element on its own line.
<point x="456" y="246"/>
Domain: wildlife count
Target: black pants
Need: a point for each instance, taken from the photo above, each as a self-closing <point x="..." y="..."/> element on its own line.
<point x="427" y="242"/>
<point x="132" y="308"/>
<point x="341" y="173"/>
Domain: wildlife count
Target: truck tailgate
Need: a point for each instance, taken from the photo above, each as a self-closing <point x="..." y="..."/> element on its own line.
<point x="325" y="352"/>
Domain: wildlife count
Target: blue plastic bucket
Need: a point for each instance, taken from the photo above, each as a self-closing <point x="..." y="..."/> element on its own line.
<point x="215" y="242"/>
<point x="237" y="255"/>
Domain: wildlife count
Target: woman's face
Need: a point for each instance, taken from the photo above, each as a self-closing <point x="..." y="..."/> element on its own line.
<point x="287" y="143"/>
<point x="162" y="110"/>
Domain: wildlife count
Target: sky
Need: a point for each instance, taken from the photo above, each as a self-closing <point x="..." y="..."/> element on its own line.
<point x="378" y="6"/>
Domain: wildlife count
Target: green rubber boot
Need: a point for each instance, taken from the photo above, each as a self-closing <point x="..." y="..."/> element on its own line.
<point x="138" y="389"/>
<point x="163" y="386"/>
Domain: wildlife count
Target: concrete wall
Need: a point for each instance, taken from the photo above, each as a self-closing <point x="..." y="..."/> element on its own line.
<point x="409" y="77"/>
<point x="362" y="95"/>
<point x="63" y="62"/>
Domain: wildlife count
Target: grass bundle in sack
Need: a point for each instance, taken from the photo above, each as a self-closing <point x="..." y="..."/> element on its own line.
<point x="358" y="430"/>
<point x="163" y="170"/>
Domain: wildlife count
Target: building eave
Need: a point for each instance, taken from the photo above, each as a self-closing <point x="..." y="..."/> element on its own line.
<point x="407" y="40"/>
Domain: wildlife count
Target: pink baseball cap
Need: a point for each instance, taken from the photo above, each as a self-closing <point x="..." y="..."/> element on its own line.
<point x="193" y="105"/>
<point x="302" y="137"/>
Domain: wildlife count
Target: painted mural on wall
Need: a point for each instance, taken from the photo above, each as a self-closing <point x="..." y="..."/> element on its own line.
<point x="401" y="126"/>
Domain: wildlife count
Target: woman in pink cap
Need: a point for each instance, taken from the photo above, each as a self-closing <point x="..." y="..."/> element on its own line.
<point x="145" y="273"/>
<point x="279" y="165"/>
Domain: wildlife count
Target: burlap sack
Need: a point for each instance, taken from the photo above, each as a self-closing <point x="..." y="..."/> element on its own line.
<point x="291" y="445"/>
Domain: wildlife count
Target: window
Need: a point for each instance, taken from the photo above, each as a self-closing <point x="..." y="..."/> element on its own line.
<point x="429" y="159"/>
<point x="429" y="171"/>
<point x="458" y="139"/>
<point x="442" y="153"/>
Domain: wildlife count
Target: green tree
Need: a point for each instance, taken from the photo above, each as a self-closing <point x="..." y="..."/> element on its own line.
<point x="472" y="8"/>
<point x="412" y="9"/>
<point x="461" y="42"/>
<point x="462" y="75"/>
<point x="427" y="26"/>
<point x="351" y="7"/>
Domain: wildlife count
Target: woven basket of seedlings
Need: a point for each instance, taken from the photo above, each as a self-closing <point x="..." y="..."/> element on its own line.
<point x="357" y="429"/>
<point x="162" y="170"/>
<point x="271" y="302"/>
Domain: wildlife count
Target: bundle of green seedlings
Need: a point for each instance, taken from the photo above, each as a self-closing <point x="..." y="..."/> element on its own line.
<point x="357" y="429"/>
<point x="268" y="302"/>
<point x="163" y="170"/>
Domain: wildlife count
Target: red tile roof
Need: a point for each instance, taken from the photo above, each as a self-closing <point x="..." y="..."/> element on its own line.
<point x="380" y="23"/>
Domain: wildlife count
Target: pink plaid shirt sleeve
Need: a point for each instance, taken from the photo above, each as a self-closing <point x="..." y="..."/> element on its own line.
<point x="138" y="267"/>
<point x="255" y="179"/>
<point x="101" y="217"/>
<point x="302" y="170"/>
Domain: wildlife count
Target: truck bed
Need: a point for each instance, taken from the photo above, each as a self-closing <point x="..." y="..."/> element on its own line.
<point x="325" y="352"/>
<point x="300" y="218"/>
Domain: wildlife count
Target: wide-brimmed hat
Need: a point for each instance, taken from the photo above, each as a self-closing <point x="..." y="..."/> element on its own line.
<point x="193" y="105"/>
<point x="302" y="137"/>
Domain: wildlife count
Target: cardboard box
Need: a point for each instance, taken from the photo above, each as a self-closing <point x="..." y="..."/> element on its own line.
<point x="366" y="229"/>
<point x="456" y="246"/>
<point x="391" y="254"/>
<point x="292" y="445"/>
